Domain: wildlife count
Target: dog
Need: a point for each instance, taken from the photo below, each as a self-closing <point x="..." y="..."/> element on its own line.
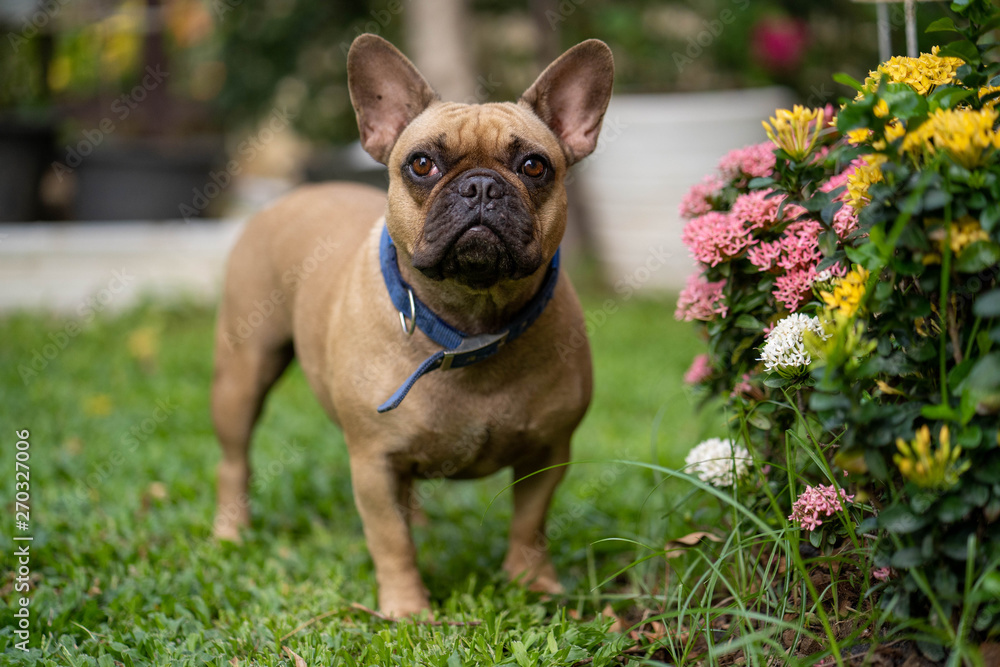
<point x="428" y="322"/>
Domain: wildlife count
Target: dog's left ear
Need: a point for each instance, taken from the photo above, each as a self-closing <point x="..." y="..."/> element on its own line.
<point x="572" y="94"/>
<point x="387" y="92"/>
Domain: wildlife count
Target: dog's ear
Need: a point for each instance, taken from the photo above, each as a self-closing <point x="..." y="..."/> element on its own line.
<point x="572" y="94"/>
<point x="387" y="92"/>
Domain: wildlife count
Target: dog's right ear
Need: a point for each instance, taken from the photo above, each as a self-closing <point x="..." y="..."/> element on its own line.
<point x="387" y="92"/>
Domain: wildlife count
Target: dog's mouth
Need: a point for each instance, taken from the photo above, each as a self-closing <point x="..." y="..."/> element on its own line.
<point x="478" y="241"/>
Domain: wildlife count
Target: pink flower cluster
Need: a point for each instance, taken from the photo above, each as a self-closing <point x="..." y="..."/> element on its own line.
<point x="749" y="162"/>
<point x="845" y="220"/>
<point x="698" y="199"/>
<point x="759" y="210"/>
<point x="743" y="388"/>
<point x="701" y="300"/>
<point x="795" y="254"/>
<point x="816" y="500"/>
<point x="700" y="370"/>
<point x="715" y="237"/>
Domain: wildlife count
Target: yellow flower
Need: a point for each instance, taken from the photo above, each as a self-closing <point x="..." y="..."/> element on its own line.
<point x="966" y="135"/>
<point x="98" y="405"/>
<point x="858" y="136"/>
<point x="964" y="231"/>
<point x="847" y="292"/>
<point x="144" y="343"/>
<point x="922" y="74"/>
<point x="795" y="131"/>
<point x="894" y="129"/>
<point x="927" y="468"/>
<point x="862" y="178"/>
<point x="986" y="90"/>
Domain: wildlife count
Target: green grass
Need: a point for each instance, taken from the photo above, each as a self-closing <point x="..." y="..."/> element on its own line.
<point x="125" y="570"/>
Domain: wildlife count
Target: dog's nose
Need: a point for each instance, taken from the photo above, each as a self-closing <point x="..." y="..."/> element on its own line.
<point x="481" y="187"/>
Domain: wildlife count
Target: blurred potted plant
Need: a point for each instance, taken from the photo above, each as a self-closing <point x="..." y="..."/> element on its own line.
<point x="26" y="127"/>
<point x="134" y="78"/>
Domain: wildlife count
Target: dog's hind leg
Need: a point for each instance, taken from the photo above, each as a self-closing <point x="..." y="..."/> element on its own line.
<point x="245" y="370"/>
<point x="528" y="554"/>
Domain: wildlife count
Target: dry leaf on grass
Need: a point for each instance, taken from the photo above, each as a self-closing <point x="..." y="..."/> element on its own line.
<point x="678" y="547"/>
<point x="619" y="625"/>
<point x="299" y="662"/>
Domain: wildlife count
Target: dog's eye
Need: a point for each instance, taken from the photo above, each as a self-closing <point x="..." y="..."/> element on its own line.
<point x="421" y="165"/>
<point x="533" y="167"/>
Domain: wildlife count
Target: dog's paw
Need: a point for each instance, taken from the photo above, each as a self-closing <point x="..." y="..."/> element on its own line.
<point x="227" y="530"/>
<point x="401" y="604"/>
<point x="537" y="577"/>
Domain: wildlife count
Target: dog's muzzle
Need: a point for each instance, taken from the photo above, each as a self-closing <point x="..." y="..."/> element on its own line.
<point x="478" y="232"/>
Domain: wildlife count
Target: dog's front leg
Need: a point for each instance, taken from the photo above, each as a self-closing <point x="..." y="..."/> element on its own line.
<point x="528" y="556"/>
<point x="381" y="496"/>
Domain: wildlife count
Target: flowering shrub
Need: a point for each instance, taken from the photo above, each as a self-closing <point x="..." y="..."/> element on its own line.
<point x="848" y="292"/>
<point x="719" y="462"/>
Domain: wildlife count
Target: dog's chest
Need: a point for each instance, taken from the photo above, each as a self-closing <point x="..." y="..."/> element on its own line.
<point x="468" y="445"/>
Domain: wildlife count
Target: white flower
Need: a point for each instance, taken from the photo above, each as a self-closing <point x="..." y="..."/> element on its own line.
<point x="783" y="351"/>
<point x="824" y="276"/>
<point x="716" y="460"/>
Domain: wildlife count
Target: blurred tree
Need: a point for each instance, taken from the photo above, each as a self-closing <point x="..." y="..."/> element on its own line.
<point x="437" y="40"/>
<point x="292" y="53"/>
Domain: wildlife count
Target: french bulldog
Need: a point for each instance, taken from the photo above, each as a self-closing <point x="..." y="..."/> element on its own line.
<point x="427" y="322"/>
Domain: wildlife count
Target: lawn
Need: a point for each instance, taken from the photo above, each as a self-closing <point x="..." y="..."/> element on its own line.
<point x="122" y="458"/>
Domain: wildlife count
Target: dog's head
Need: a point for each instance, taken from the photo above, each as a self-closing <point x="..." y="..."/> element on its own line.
<point x="476" y="191"/>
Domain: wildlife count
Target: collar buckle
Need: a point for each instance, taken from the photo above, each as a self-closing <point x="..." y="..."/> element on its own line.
<point x="473" y="349"/>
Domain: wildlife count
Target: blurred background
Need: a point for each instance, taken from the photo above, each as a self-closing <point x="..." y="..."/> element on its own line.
<point x="145" y="130"/>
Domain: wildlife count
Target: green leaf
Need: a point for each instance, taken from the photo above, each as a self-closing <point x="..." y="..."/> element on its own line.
<point x="866" y="255"/>
<point x="904" y="102"/>
<point x="776" y="382"/>
<point x="939" y="412"/>
<point x="978" y="256"/>
<point x="906" y="558"/>
<point x="952" y="509"/>
<point x="942" y="25"/>
<point x="900" y="520"/>
<point x="985" y="375"/>
<point x="948" y="97"/>
<point x="746" y="321"/>
<point x="989" y="217"/>
<point x="969" y="437"/>
<point x="988" y="304"/>
<point x="963" y="49"/>
<point x="847" y="80"/>
<point x="521" y="654"/>
<point x="760" y="182"/>
<point x="828" y="243"/>
<point x="821" y="402"/>
<point x="876" y="464"/>
<point x="816" y="538"/>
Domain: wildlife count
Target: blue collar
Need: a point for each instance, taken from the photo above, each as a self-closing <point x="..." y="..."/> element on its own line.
<point x="460" y="349"/>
